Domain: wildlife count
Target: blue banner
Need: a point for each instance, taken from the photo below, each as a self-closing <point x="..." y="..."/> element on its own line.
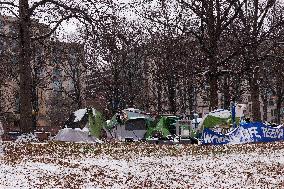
<point x="245" y="133"/>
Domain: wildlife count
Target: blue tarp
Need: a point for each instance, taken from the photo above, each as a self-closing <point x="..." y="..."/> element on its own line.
<point x="245" y="133"/>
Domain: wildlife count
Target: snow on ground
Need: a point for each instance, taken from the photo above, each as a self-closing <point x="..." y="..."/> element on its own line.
<point x="69" y="165"/>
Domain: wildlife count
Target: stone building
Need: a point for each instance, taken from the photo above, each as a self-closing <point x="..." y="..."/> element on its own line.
<point x="58" y="78"/>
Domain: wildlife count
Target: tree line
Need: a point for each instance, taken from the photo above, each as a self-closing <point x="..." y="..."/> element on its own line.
<point x="163" y="55"/>
<point x="176" y="50"/>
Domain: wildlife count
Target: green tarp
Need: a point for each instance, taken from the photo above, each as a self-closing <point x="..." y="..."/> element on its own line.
<point x="96" y="123"/>
<point x="211" y="121"/>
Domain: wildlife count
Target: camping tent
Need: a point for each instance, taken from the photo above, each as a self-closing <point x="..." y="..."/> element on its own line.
<point x="165" y="126"/>
<point x="83" y="125"/>
<point x="75" y="135"/>
<point x="132" y="129"/>
<point x="128" y="124"/>
<point x="220" y="118"/>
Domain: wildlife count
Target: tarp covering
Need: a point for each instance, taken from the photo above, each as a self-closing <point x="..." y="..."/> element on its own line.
<point x="160" y="127"/>
<point x="96" y="123"/>
<point x="217" y="118"/>
<point x="245" y="133"/>
<point x="87" y="117"/>
<point x="126" y="114"/>
<point x="75" y="135"/>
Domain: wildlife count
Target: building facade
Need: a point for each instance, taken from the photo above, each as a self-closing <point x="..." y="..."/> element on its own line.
<point x="58" y="78"/>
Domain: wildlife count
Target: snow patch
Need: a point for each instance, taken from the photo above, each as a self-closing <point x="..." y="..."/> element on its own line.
<point x="259" y="167"/>
<point x="79" y="114"/>
<point x="221" y="113"/>
<point x="29" y="137"/>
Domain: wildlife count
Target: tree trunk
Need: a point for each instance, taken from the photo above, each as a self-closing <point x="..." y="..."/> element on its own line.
<point x="254" y="90"/>
<point x="264" y="100"/>
<point x="26" y="123"/>
<point x="278" y="109"/>
<point x="226" y="93"/>
<point x="159" y="97"/>
<point x="172" y="95"/>
<point x="213" y="92"/>
<point x="213" y="75"/>
<point x="79" y="100"/>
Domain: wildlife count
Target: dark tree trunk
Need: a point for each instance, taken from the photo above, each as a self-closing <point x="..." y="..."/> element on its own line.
<point x="254" y="90"/>
<point x="79" y="101"/>
<point x="213" y="94"/>
<point x="226" y="94"/>
<point x="26" y="123"/>
<point x="78" y="91"/>
<point x="172" y="95"/>
<point x="278" y="108"/>
<point x="159" y="97"/>
<point x="265" y="103"/>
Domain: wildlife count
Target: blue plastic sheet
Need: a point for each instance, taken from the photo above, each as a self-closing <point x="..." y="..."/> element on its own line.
<point x="245" y="133"/>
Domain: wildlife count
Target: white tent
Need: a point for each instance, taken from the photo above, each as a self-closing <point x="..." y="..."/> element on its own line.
<point x="75" y="135"/>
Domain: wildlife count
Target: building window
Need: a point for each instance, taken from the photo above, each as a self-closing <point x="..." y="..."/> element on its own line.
<point x="56" y="58"/>
<point x="56" y="84"/>
<point x="1" y="24"/>
<point x="249" y="98"/>
<point x="273" y="112"/>
<point x="39" y="71"/>
<point x="271" y="102"/>
<point x="17" y="103"/>
<point x="1" y="46"/>
<point x="71" y="85"/>
<point x="250" y="108"/>
<point x="14" y="59"/>
<point x="13" y="30"/>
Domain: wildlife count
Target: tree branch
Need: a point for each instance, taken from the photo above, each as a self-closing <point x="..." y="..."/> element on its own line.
<point x="53" y="29"/>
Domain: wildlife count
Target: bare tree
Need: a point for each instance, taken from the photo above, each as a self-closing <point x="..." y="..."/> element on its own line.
<point x="256" y="31"/>
<point x="55" y="12"/>
<point x="213" y="19"/>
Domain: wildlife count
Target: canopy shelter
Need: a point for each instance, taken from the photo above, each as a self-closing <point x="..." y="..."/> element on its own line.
<point x="129" y="124"/>
<point x="132" y="129"/>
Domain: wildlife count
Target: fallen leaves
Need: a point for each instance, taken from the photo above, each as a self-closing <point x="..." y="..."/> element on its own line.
<point x="140" y="165"/>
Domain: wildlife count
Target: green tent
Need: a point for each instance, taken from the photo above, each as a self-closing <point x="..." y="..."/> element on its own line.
<point x="216" y="118"/>
<point x="165" y="126"/>
<point x="96" y="122"/>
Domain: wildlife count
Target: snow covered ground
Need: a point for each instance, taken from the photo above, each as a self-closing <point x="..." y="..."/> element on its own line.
<point x="69" y="165"/>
